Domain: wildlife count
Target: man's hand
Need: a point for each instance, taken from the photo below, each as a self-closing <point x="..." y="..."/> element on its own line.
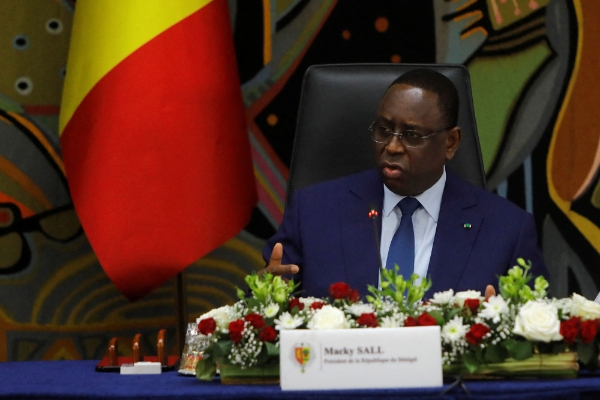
<point x="275" y="267"/>
<point x="489" y="291"/>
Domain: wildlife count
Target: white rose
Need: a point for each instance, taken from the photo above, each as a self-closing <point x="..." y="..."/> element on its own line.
<point x="359" y="309"/>
<point x="538" y="321"/>
<point x="584" y="308"/>
<point x="328" y="317"/>
<point x="308" y="301"/>
<point x="221" y="317"/>
<point x="460" y="297"/>
<point x="443" y="298"/>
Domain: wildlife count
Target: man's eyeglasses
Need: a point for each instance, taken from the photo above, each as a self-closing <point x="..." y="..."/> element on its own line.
<point x="409" y="138"/>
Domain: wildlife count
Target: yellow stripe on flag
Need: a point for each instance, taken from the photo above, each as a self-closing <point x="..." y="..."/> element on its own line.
<point x="106" y="32"/>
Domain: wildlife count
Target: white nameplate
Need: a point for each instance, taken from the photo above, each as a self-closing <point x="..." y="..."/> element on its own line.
<point x="141" y="368"/>
<point x="360" y="358"/>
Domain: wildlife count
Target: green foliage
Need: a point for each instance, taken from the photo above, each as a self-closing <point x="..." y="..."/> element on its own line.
<point x="473" y="360"/>
<point x="495" y="353"/>
<point x="206" y="369"/>
<point x="588" y="354"/>
<point x="272" y="349"/>
<point x="478" y="357"/>
<point x="514" y="286"/>
<point x="393" y="285"/>
<point x="451" y="313"/>
<point x="541" y="284"/>
<point x="263" y="356"/>
<point x="266" y="288"/>
<point x="268" y="353"/>
<point x="438" y="316"/>
<point x="218" y="349"/>
<point x="252" y="303"/>
<point x="224" y="347"/>
<point x="240" y="293"/>
<point x="519" y="349"/>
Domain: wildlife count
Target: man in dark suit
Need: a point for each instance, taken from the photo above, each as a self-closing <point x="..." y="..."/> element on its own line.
<point x="460" y="235"/>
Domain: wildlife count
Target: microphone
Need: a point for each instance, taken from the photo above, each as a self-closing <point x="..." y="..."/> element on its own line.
<point x="373" y="214"/>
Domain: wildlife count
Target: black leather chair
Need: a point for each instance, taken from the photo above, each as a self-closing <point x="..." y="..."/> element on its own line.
<point x="337" y="106"/>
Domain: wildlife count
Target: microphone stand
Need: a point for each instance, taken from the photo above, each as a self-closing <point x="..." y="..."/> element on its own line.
<point x="373" y="214"/>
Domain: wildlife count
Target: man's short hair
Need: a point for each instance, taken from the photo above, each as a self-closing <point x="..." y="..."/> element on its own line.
<point x="435" y="82"/>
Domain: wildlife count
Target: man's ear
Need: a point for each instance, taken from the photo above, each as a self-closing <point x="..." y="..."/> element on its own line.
<point x="452" y="141"/>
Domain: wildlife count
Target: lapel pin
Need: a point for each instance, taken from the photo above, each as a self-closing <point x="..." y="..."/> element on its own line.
<point x="467" y="226"/>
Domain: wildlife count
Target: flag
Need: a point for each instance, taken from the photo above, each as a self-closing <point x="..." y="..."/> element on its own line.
<point x="153" y="135"/>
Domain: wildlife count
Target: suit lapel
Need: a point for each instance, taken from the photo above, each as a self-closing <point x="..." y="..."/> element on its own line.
<point x="457" y="228"/>
<point x="361" y="259"/>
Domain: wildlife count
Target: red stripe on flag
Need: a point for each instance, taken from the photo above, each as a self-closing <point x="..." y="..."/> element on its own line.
<point x="158" y="157"/>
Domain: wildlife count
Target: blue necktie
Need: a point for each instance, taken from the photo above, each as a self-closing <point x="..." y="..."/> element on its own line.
<point x="402" y="247"/>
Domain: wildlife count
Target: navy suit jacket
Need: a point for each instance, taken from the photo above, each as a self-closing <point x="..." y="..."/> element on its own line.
<point x="327" y="233"/>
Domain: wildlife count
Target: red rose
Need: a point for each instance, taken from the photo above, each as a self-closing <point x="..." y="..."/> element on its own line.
<point x="295" y="302"/>
<point x="473" y="305"/>
<point x="476" y="333"/>
<point x="354" y="296"/>
<point x="317" y="305"/>
<point x="570" y="329"/>
<point x="589" y="329"/>
<point x="207" y="326"/>
<point x="268" y="334"/>
<point x="368" y="319"/>
<point x="235" y="330"/>
<point x="410" y="321"/>
<point x="426" y="320"/>
<point x="256" y="320"/>
<point x="339" y="290"/>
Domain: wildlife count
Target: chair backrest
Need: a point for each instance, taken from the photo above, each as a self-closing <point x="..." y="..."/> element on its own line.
<point x="338" y="104"/>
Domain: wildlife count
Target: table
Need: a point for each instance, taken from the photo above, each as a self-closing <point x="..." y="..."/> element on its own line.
<point x="77" y="379"/>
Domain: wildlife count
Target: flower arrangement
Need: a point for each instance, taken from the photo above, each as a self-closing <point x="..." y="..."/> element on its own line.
<point x="519" y="331"/>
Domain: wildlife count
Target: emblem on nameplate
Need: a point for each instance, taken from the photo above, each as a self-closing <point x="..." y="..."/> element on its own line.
<point x="302" y="354"/>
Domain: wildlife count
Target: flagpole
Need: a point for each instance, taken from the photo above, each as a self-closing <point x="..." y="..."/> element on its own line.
<point x="181" y="311"/>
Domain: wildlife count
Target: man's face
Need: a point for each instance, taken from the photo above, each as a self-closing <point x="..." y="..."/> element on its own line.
<point x="410" y="171"/>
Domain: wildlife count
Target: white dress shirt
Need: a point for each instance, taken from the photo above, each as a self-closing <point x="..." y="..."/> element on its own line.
<point x="424" y="223"/>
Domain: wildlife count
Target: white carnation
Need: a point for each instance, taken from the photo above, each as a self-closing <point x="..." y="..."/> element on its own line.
<point x="538" y="321"/>
<point x="493" y="308"/>
<point x="443" y="298"/>
<point x="271" y="310"/>
<point x="460" y="297"/>
<point x="390" y="322"/>
<point x="288" y="321"/>
<point x="328" y="317"/>
<point x="359" y="309"/>
<point x="454" y="330"/>
<point x="584" y="308"/>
